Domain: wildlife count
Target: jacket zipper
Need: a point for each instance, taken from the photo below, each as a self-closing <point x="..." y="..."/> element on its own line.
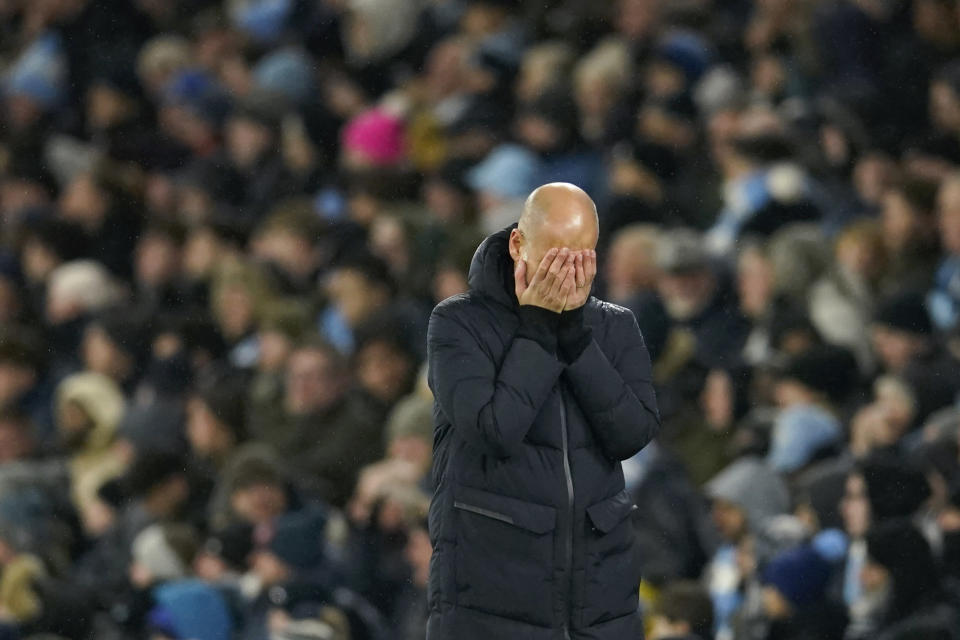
<point x="569" y="533"/>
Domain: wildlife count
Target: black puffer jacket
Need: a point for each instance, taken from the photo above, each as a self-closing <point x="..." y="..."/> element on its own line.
<point x="530" y="523"/>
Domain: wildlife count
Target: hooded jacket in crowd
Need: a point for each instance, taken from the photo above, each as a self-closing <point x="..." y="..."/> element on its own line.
<point x="530" y="523"/>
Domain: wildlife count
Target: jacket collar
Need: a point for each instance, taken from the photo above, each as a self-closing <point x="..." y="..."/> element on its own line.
<point x="491" y="271"/>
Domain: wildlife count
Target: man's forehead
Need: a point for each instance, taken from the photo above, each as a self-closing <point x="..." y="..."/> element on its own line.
<point x="549" y="236"/>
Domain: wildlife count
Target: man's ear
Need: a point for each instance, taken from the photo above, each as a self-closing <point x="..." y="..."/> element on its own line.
<point x="515" y="245"/>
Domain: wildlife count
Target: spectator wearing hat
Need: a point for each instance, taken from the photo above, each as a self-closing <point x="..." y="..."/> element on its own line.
<point x="693" y="297"/>
<point x="154" y="490"/>
<point x="287" y="72"/>
<point x="193" y="107"/>
<point x="89" y="407"/>
<point x="746" y="496"/>
<point x="903" y="339"/>
<point x="76" y="291"/>
<point x="373" y="139"/>
<point x="294" y="559"/>
<point x="409" y="433"/>
<point x="795" y="597"/>
<point x="877" y="490"/>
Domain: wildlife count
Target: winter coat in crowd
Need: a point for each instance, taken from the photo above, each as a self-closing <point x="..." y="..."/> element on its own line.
<point x="916" y="602"/>
<point x="326" y="450"/>
<point x="840" y="306"/>
<point x="671" y="519"/>
<point x="191" y="609"/>
<point x="530" y="523"/>
<point x="761" y="494"/>
<point x="93" y="461"/>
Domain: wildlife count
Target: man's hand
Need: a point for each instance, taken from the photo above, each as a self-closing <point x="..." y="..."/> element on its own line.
<point x="586" y="271"/>
<point x="551" y="285"/>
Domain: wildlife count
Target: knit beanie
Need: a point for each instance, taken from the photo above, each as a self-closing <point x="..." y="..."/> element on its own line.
<point x="800" y="575"/>
<point x="299" y="539"/>
<point x="906" y="312"/>
<point x="376" y="135"/>
<point x="895" y="489"/>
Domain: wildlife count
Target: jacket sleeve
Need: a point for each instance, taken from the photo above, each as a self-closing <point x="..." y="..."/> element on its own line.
<point x="617" y="397"/>
<point x="491" y="408"/>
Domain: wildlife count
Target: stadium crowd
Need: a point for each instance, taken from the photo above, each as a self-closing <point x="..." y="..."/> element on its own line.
<point x="223" y="225"/>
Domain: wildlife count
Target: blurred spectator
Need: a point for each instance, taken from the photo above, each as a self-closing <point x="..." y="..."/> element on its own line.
<point x="900" y="566"/>
<point x="842" y="302"/>
<point x="746" y="496"/>
<point x="794" y="597"/>
<point x="684" y="612"/>
<point x="89" y="409"/>
<point x="318" y="400"/>
<point x="693" y="297"/>
<point x="903" y="340"/>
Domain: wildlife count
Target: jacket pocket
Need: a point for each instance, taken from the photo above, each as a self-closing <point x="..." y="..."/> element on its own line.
<point x="504" y="556"/>
<point x="612" y="579"/>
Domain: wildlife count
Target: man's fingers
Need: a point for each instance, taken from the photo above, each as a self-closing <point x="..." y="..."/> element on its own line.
<point x="567" y="288"/>
<point x="581" y="276"/>
<point x="560" y="261"/>
<point x="543" y="271"/>
<point x="590" y="266"/>
<point x="566" y="273"/>
<point x="553" y="273"/>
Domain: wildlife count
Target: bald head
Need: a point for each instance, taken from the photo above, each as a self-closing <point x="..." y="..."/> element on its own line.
<point x="561" y="208"/>
<point x="555" y="215"/>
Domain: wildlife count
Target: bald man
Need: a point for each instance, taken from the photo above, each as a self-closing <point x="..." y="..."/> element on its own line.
<point x="541" y="391"/>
